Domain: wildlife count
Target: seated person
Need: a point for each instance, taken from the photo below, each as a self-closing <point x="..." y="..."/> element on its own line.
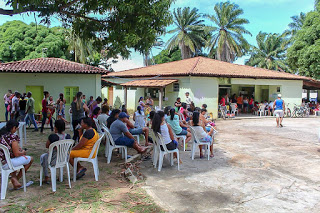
<point x="201" y="133"/>
<point x="18" y="156"/>
<point x="103" y="117"/>
<point x="113" y="117"/>
<point x="270" y="108"/>
<point x="173" y="121"/>
<point x="59" y="128"/>
<point x="204" y="121"/>
<point x="122" y="136"/>
<point x="139" y="118"/>
<point x="85" y="145"/>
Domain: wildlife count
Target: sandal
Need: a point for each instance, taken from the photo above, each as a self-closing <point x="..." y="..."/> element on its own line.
<point x="81" y="173"/>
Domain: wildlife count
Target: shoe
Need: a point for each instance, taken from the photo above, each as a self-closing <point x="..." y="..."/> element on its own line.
<point x="281" y="125"/>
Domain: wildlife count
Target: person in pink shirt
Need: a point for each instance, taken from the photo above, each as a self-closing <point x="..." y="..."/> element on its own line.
<point x="6" y="99"/>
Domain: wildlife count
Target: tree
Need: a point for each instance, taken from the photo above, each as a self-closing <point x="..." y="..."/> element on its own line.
<point x="189" y="34"/>
<point x="167" y="56"/>
<point x="146" y="56"/>
<point x="119" y="25"/>
<point x="19" y="41"/>
<point x="227" y="40"/>
<point x="270" y="53"/>
<point x="304" y="54"/>
<point x="296" y="24"/>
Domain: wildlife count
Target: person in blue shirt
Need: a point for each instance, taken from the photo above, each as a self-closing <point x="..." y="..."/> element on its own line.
<point x="279" y="108"/>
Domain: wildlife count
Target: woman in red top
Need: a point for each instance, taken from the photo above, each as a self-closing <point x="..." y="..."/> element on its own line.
<point x="45" y="111"/>
<point x="223" y="101"/>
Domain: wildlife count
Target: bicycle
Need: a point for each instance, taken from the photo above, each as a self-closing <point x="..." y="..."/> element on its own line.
<point x="287" y="111"/>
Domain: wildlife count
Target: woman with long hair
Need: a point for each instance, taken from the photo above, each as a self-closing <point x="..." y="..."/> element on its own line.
<point x="78" y="109"/>
<point x="18" y="156"/>
<point x="141" y="103"/>
<point x="201" y="132"/>
<point x="178" y="127"/>
<point x="61" y="102"/>
<point x="139" y="118"/>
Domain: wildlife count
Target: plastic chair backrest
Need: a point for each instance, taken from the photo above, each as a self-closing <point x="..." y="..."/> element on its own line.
<point x="194" y="136"/>
<point x="262" y="107"/>
<point x="160" y="142"/>
<point x="108" y="135"/>
<point x="7" y="156"/>
<point x="97" y="125"/>
<point x="63" y="148"/>
<point x="95" y="148"/>
<point x="139" y="120"/>
<point x="153" y="136"/>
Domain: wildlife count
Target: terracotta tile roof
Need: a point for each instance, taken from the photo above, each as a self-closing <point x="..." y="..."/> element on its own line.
<point x="50" y="65"/>
<point x="311" y="84"/>
<point x="149" y="83"/>
<point x="201" y="66"/>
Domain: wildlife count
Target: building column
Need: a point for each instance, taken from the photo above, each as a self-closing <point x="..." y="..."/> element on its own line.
<point x="125" y="96"/>
<point x="308" y="95"/>
<point x="160" y="97"/>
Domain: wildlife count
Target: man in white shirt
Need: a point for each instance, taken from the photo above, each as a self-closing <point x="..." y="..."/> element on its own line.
<point x="188" y="100"/>
<point x="15" y="106"/>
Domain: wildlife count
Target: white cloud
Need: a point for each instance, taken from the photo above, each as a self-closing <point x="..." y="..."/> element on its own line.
<point x="3" y="5"/>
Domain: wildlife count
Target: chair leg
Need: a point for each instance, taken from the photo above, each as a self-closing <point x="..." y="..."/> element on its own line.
<point x="68" y="173"/>
<point x="61" y="174"/>
<point x="184" y="144"/>
<point x="208" y="151"/>
<point x="178" y="159"/>
<point x="53" y="172"/>
<point x="156" y="157"/>
<point x="75" y="170"/>
<point x="41" y="171"/>
<point x="161" y="155"/>
<point x="95" y="169"/>
<point x="106" y="149"/>
<point x="24" y="180"/>
<point x="171" y="159"/>
<point x="109" y="154"/>
<point x="4" y="184"/>
<point x="193" y="151"/>
<point x="125" y="155"/>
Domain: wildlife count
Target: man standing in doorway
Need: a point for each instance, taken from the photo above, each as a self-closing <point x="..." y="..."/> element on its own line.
<point x="278" y="108"/>
<point x="30" y="112"/>
<point x="188" y="100"/>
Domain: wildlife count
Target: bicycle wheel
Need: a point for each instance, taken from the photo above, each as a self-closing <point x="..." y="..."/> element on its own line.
<point x="288" y="112"/>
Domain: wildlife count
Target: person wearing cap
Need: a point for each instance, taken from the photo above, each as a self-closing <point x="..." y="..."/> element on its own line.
<point x="30" y="111"/>
<point x="278" y="108"/>
<point x="122" y="136"/>
<point x="188" y="100"/>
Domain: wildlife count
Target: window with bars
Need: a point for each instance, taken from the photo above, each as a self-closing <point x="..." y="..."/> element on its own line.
<point x="70" y="93"/>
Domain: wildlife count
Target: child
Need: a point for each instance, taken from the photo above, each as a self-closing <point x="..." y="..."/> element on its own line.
<point x="201" y="133"/>
<point x="59" y="128"/>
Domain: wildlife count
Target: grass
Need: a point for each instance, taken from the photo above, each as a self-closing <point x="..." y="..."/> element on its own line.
<point x="112" y="193"/>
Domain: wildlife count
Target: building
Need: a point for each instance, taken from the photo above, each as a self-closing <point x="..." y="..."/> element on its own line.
<point x="205" y="79"/>
<point x="55" y="75"/>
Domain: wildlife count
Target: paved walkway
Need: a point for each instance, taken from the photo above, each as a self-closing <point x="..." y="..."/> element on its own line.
<point x="256" y="168"/>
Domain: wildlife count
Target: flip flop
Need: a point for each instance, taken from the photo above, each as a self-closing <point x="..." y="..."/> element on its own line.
<point x="81" y="173"/>
<point x="27" y="184"/>
<point x="80" y="176"/>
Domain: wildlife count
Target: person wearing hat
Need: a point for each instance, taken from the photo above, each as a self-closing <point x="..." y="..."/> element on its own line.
<point x="122" y="136"/>
<point x="278" y="108"/>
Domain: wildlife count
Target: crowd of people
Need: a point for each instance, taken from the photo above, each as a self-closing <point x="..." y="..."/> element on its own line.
<point x="173" y="121"/>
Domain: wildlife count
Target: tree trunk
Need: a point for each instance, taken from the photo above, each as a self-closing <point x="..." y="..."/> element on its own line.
<point x="185" y="51"/>
<point x="146" y="58"/>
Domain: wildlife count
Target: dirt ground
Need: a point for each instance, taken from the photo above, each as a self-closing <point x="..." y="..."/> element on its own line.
<point x="257" y="168"/>
<point x="112" y="193"/>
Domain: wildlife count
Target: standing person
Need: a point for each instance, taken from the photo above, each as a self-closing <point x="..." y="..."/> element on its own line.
<point x="149" y="105"/>
<point x="6" y="99"/>
<point x="18" y="156"/>
<point x="78" y="108"/>
<point x="223" y="101"/>
<point x="59" y="128"/>
<point x="45" y="108"/>
<point x="95" y="104"/>
<point x="30" y="111"/>
<point x="15" y="106"/>
<point x="105" y="102"/>
<point x="279" y="108"/>
<point x="22" y="106"/>
<point x="245" y="104"/>
<point x="251" y="101"/>
<point x="84" y="99"/>
<point x="188" y="100"/>
<point x="240" y="102"/>
<point x="177" y="104"/>
<point x="141" y="103"/>
<point x="61" y="107"/>
<point x="90" y="101"/>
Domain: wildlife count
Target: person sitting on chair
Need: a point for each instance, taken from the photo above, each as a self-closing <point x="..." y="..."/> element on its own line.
<point x="59" y="128"/>
<point x="18" y="156"/>
<point x="85" y="145"/>
<point x="121" y="135"/>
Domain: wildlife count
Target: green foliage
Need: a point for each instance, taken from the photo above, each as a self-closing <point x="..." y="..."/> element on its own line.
<point x="270" y="53"/>
<point x="227" y="42"/>
<point x="167" y="56"/>
<point x="119" y="25"/>
<point x="190" y="32"/>
<point x="304" y="54"/>
<point x="296" y="24"/>
<point x="20" y="41"/>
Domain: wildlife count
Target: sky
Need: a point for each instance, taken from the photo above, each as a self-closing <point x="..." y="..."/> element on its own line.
<point x="271" y="16"/>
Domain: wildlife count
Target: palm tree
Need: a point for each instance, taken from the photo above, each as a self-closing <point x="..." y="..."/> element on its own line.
<point x="227" y="41"/>
<point x="297" y="23"/>
<point x="146" y="55"/>
<point x="270" y="53"/>
<point x="189" y="33"/>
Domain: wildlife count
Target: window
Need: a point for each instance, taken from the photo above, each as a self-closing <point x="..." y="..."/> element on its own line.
<point x="118" y="87"/>
<point x="176" y="87"/>
<point x="278" y="89"/>
<point x="70" y="93"/>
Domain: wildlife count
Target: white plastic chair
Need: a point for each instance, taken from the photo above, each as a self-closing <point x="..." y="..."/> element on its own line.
<point x="196" y="142"/>
<point x="6" y="172"/>
<point x="22" y="133"/>
<point x="110" y="145"/>
<point x="63" y="148"/>
<point x="161" y="153"/>
<point x="99" y="130"/>
<point x="261" y="110"/>
<point x="140" y="120"/>
<point x="93" y="158"/>
<point x="155" y="148"/>
<point x="234" y="109"/>
<point x="179" y="138"/>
